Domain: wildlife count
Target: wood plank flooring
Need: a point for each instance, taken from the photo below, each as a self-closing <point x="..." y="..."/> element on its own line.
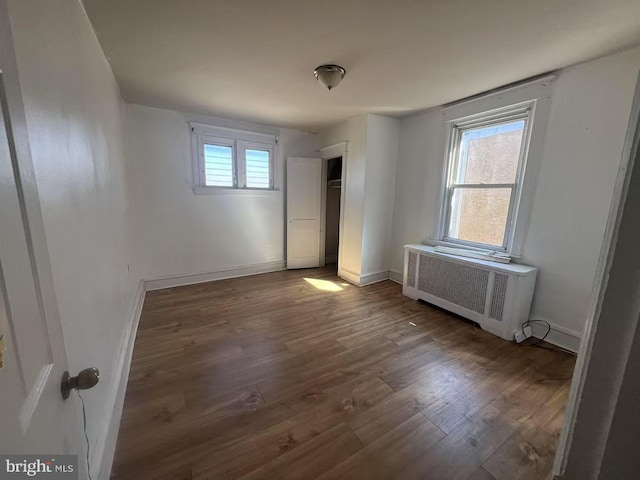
<point x="299" y="375"/>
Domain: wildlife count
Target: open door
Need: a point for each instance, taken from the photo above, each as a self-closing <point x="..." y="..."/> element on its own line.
<point x="34" y="418"/>
<point x="304" y="199"/>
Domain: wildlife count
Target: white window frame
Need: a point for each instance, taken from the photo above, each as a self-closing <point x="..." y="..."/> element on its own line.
<point x="203" y="140"/>
<point x="239" y="141"/>
<point x="241" y="153"/>
<point x="523" y="111"/>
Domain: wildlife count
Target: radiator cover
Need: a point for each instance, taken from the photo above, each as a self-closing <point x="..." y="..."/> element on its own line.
<point x="496" y="296"/>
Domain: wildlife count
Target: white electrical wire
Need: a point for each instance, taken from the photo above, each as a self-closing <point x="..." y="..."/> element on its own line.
<point x="86" y="437"/>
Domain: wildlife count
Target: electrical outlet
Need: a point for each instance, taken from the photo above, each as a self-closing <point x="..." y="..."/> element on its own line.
<point x="523" y="334"/>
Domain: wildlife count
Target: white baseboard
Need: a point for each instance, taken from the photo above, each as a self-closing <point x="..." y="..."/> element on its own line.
<point x="349" y="276"/>
<point x="559" y="336"/>
<point x="171" y="281"/>
<point x="106" y="444"/>
<point x="362" y="280"/>
<point x="369" y="278"/>
<point x="395" y="276"/>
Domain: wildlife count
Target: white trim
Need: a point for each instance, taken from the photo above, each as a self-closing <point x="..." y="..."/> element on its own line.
<point x="349" y="276"/>
<point x="536" y="88"/>
<point x="559" y="336"/>
<point x="363" y="280"/>
<point x="395" y="276"/>
<point x="239" y="141"/>
<point x="232" y="133"/>
<point x="522" y="111"/>
<point x="105" y="446"/>
<point x="343" y="206"/>
<point x="324" y="174"/>
<point x="335" y="150"/>
<point x="370" y="278"/>
<point x="170" y="281"/>
<point x="339" y="149"/>
<point x="241" y="153"/>
<point x="200" y="142"/>
<point x="251" y="192"/>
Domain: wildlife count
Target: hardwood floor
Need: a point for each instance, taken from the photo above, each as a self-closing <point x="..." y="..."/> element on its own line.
<point x="298" y="375"/>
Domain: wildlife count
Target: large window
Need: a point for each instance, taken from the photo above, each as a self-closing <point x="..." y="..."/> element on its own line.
<point x="484" y="175"/>
<point x="238" y="161"/>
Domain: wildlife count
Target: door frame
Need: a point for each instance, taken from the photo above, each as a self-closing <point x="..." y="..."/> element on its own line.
<point x="588" y="420"/>
<point x="326" y="153"/>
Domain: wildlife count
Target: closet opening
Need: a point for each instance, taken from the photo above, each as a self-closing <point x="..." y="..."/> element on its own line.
<point x="333" y="188"/>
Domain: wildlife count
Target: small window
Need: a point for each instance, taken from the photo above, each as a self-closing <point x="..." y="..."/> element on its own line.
<point x="242" y="163"/>
<point x="485" y="171"/>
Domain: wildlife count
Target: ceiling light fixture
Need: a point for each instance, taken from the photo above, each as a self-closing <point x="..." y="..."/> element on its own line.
<point x="329" y="75"/>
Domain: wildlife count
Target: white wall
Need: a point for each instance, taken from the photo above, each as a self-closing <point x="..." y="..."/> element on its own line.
<point x="578" y="167"/>
<point x="74" y="114"/>
<point x="371" y="159"/>
<point x="382" y="157"/>
<point x="354" y="130"/>
<point x="418" y="181"/>
<point x="587" y="125"/>
<point x="180" y="233"/>
<point x="598" y="440"/>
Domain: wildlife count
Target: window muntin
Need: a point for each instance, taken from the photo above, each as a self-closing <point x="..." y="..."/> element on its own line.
<point x="484" y="178"/>
<point x="232" y="163"/>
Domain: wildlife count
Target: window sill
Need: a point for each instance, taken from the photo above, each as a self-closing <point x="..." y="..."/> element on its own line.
<point x="256" y="192"/>
<point x="444" y="243"/>
<point x="476" y="247"/>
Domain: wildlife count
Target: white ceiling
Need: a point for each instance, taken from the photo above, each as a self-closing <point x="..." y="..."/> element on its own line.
<point x="254" y="59"/>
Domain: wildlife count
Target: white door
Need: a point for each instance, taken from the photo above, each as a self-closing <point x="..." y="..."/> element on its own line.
<point x="304" y="196"/>
<point x="34" y="419"/>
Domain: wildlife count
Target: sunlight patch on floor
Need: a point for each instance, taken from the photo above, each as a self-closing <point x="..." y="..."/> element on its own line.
<point x="324" y="285"/>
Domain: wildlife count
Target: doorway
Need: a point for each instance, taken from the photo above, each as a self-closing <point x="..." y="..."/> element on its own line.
<point x="333" y="195"/>
<point x="315" y="209"/>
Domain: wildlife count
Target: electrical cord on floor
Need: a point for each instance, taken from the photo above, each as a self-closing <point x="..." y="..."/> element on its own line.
<point x="86" y="437"/>
<point x="540" y="340"/>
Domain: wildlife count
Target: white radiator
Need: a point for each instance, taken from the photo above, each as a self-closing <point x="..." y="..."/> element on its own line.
<point x="497" y="296"/>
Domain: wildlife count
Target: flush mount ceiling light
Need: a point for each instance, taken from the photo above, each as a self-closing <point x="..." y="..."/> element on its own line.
<point x="329" y="75"/>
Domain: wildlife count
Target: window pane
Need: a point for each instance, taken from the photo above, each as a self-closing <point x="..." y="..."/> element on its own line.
<point x="218" y="165"/>
<point x="490" y="154"/>
<point x="479" y="215"/>
<point x="258" y="175"/>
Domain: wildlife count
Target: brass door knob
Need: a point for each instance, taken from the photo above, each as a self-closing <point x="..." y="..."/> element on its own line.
<point x="85" y="380"/>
